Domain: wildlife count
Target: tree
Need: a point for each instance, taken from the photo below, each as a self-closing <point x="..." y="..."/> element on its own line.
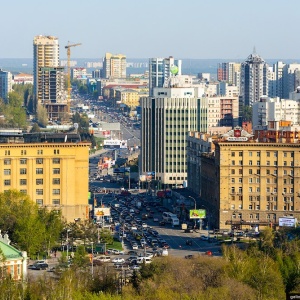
<point x="42" y="115"/>
<point x="246" y="113"/>
<point x="35" y="128"/>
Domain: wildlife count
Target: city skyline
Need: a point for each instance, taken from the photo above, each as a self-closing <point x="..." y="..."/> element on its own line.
<point x="195" y="30"/>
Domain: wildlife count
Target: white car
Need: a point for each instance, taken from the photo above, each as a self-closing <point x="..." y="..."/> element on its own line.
<point x="118" y="260"/>
<point x="144" y="225"/>
<point x="135" y="246"/>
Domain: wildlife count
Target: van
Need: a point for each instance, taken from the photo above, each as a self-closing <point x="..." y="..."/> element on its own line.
<point x="174" y="221"/>
<point x="103" y="258"/>
<point x="143" y="259"/>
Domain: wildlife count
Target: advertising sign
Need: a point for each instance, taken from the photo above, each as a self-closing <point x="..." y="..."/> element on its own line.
<point x="102" y="211"/>
<point x="287" y="222"/>
<point x="115" y="144"/>
<point x="197" y="213"/>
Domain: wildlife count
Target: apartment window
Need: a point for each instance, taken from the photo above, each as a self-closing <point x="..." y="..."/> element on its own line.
<point x="240" y="190"/>
<point x="23" y="191"/>
<point x="275" y="190"/>
<point x="268" y="180"/>
<point x="268" y="162"/>
<point x="284" y="154"/>
<point x="23" y="152"/>
<point x="56" y="151"/>
<point x="7" y="152"/>
<point x="56" y="202"/>
<point x="56" y="192"/>
<point x="292" y="154"/>
<point x="240" y="154"/>
<point x="240" y="180"/>
<point x="39" y="171"/>
<point x="250" y="207"/>
<point x="240" y="171"/>
<point x="258" y="154"/>
<point x="7" y="161"/>
<point x="250" y="198"/>
<point x="240" y="162"/>
<point x="250" y="162"/>
<point x="250" y="189"/>
<point x="39" y="201"/>
<point x="250" y="180"/>
<point x="23" y="161"/>
<point x="268" y="154"/>
<point x="268" y="190"/>
<point x="7" y="172"/>
<point x="7" y="182"/>
<point x="40" y="152"/>
<point x="251" y="216"/>
<point x="56" y="171"/>
<point x="291" y="190"/>
<point x="232" y="154"/>
<point x="23" y="171"/>
<point x="56" y="181"/>
<point x="23" y="181"/>
<point x="257" y="216"/>
<point x="250" y="153"/>
<point x="39" y="181"/>
<point x="257" y="190"/>
<point x="39" y="161"/>
<point x="39" y="191"/>
<point x="275" y="172"/>
<point x="275" y="153"/>
<point x="258" y="172"/>
<point x="232" y="172"/>
<point x="257" y="207"/>
<point x="232" y="190"/>
<point x="233" y="163"/>
<point x="56" y="160"/>
<point x="292" y="163"/>
<point x="232" y="180"/>
<point x="275" y="163"/>
<point x="250" y="171"/>
<point x="258" y="163"/>
<point x="268" y="172"/>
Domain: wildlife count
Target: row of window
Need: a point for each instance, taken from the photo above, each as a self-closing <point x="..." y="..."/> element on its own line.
<point x="54" y="201"/>
<point x="268" y="172"/>
<point x="39" y="161"/>
<point x="258" y="153"/>
<point x="39" y="171"/>
<point x="240" y="163"/>
<point x="38" y="181"/>
<point x="177" y="178"/>
<point x="24" y="152"/>
<point x="257" y="190"/>
<point x="268" y="180"/>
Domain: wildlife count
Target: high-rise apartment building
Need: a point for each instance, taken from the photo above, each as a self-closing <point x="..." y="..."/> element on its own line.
<point x="48" y="77"/>
<point x="228" y="72"/>
<point x="291" y="78"/>
<point x="114" y="66"/>
<point x="254" y="79"/>
<point x="5" y="84"/>
<point x="167" y="117"/>
<point x="160" y="70"/>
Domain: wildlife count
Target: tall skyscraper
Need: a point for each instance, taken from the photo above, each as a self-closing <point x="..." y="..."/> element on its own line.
<point x="160" y="71"/>
<point x="254" y="79"/>
<point x="5" y="84"/>
<point x="167" y="116"/>
<point x="45" y="55"/>
<point x="114" y="66"/>
<point x="290" y="79"/>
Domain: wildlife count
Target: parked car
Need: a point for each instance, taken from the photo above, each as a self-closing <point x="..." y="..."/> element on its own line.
<point x="118" y="260"/>
<point x="204" y="238"/>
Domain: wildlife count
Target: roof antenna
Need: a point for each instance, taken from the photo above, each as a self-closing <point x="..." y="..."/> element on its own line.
<point x="254" y="50"/>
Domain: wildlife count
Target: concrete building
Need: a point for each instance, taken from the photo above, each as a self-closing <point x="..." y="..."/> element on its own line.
<point x="5" y="84"/>
<point x="14" y="261"/>
<point x="249" y="185"/>
<point x="291" y="78"/>
<point x="48" y="76"/>
<point x="254" y="79"/>
<point x="275" y="109"/>
<point x="78" y="73"/>
<point x="23" y="78"/>
<point x="114" y="65"/>
<point x="229" y="72"/>
<point x="167" y="117"/>
<point x="130" y="97"/>
<point x="160" y="70"/>
<point x="52" y="169"/>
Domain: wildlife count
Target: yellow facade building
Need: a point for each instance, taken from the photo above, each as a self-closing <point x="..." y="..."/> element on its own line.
<point x="53" y="174"/>
<point x="246" y="184"/>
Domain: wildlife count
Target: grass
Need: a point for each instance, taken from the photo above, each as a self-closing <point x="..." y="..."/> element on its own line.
<point x="115" y="245"/>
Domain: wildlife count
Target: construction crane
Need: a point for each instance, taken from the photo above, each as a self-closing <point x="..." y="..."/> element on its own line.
<point x="68" y="47"/>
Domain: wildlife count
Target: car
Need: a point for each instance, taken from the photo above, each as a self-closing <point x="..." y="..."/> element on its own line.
<point x="155" y="219"/>
<point x="118" y="260"/>
<point x="41" y="266"/>
<point x="117" y="252"/>
<point x="190" y="256"/>
<point x="135" y="267"/>
<point x="204" y="238"/>
<point x="162" y="223"/>
<point x="135" y="246"/>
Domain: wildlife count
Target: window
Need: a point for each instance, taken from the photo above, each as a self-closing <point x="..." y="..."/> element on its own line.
<point x="275" y="153"/>
<point x="56" y="192"/>
<point x="39" y="161"/>
<point x="268" y="172"/>
<point x="232" y="172"/>
<point x="23" y="181"/>
<point x="56" y="171"/>
<point x="56" y="160"/>
<point x="23" y="171"/>
<point x="257" y="207"/>
<point x="40" y="152"/>
<point x="56" y="201"/>
<point x="258" y="163"/>
<point x="257" y="190"/>
<point x="250" y="189"/>
<point x="250" y="171"/>
<point x="7" y="182"/>
<point x="7" y="161"/>
<point x="258" y="154"/>
<point x="23" y="152"/>
<point x="233" y="163"/>
<point x="268" y="162"/>
<point x="275" y="172"/>
<point x="232" y="180"/>
<point x="275" y="163"/>
<point x="39" y="181"/>
<point x="56" y="181"/>
<point x="250" y="153"/>
<point x="268" y="154"/>
<point x="250" y="162"/>
<point x="23" y="191"/>
<point x="285" y="163"/>
<point x="56" y="151"/>
<point x="232" y="190"/>
<point x="268" y="190"/>
<point x="39" y="201"/>
<point x="240" y="171"/>
<point x="7" y="171"/>
<point x="250" y="207"/>
<point x="240" y="190"/>
<point x="268" y="180"/>
<point x="23" y="161"/>
<point x="232" y="154"/>
<point x="250" y="180"/>
<point x="240" y="180"/>
<point x="39" y="171"/>
<point x="284" y="154"/>
<point x="39" y="191"/>
<point x="240" y="162"/>
<point x="7" y="152"/>
<point x="240" y="154"/>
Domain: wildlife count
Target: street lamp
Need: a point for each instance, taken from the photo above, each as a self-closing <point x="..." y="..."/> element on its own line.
<point x="68" y="230"/>
<point x="232" y="230"/>
<point x="195" y="209"/>
<point x="92" y="260"/>
<point x="207" y="216"/>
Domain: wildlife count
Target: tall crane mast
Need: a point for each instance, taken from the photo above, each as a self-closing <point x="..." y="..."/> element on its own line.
<point x="68" y="47"/>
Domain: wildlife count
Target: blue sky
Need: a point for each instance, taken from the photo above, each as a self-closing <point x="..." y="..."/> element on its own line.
<point x="157" y="28"/>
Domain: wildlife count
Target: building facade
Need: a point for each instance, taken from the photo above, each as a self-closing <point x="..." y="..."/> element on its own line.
<point x="114" y="66"/>
<point x="51" y="168"/>
<point x="5" y="84"/>
<point x="160" y="71"/>
<point x="249" y="185"/>
<point x="254" y="79"/>
<point x="167" y="117"/>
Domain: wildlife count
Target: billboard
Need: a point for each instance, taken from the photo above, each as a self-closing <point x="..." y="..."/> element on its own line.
<point x="122" y="144"/>
<point x="101" y="211"/>
<point x="197" y="213"/>
<point x="287" y="222"/>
